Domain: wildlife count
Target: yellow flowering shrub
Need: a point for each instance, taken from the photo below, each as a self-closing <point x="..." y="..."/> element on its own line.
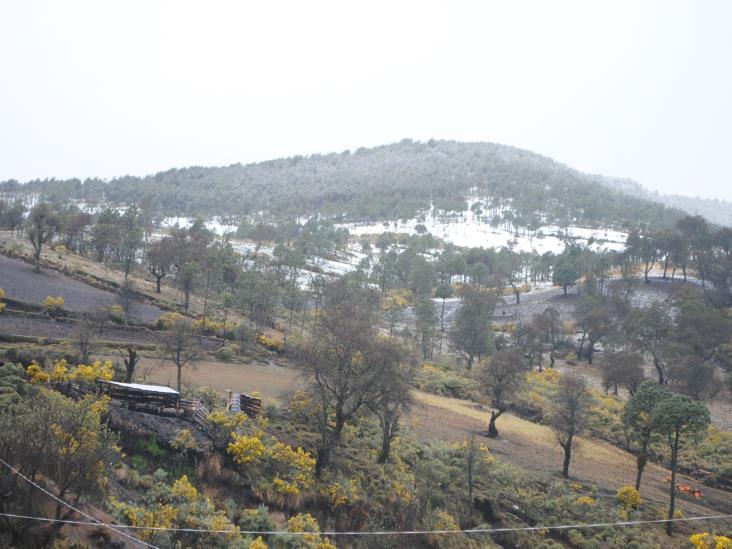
<point x="182" y="488"/>
<point x="258" y="544"/>
<point x="396" y="299"/>
<point x="708" y="541"/>
<point x="116" y="312"/>
<point x="53" y="304"/>
<point x="444" y="521"/>
<point x="2" y="295"/>
<point x="157" y="516"/>
<point x="341" y="492"/>
<point x="60" y="371"/>
<point x="273" y="343"/>
<point x="246" y="449"/>
<point x="586" y="500"/>
<point x="227" y="421"/>
<point x="214" y="326"/>
<point x="89" y="373"/>
<point x="277" y="471"/>
<point x="183" y="441"/>
<point x="169" y="319"/>
<point x="401" y="492"/>
<point x="36" y="375"/>
<point x="628" y="497"/>
<point x="295" y="468"/>
<point x="179" y="506"/>
<point x="307" y="523"/>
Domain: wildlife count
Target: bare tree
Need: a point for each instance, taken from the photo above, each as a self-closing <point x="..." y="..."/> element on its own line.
<point x="471" y="333"/>
<point x="472" y="451"/>
<point x="126" y="298"/>
<point x="85" y="335"/>
<point x="130" y="361"/>
<point x="568" y="416"/>
<point x="393" y="392"/>
<point x="622" y="368"/>
<point x="40" y="226"/>
<point x="160" y="258"/>
<point x="549" y="324"/>
<point x="180" y="346"/>
<point x="501" y="377"/>
<point x="338" y="362"/>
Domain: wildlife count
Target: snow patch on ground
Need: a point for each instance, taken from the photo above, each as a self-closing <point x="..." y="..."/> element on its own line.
<point x="473" y="228"/>
<point x="215" y="224"/>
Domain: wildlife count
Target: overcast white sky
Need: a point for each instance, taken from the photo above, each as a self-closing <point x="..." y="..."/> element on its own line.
<point x="631" y="89"/>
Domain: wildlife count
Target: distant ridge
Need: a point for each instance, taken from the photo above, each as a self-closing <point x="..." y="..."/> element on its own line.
<point x="713" y="209"/>
<point x="389" y="182"/>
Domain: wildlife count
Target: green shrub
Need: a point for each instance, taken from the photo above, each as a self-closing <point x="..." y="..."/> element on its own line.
<point x="441" y="380"/>
<point x="225" y="353"/>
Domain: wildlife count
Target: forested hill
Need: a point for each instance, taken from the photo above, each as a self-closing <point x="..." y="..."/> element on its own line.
<point x="386" y="182"/>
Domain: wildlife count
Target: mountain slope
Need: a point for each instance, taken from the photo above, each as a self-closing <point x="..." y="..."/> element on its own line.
<point x="714" y="210"/>
<point x="386" y="182"/>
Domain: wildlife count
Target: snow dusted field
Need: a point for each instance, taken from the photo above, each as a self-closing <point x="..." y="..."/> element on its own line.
<point x="473" y="229"/>
<point x="215" y="224"/>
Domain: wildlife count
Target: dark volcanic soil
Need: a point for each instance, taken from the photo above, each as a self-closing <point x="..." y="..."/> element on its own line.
<point x="37" y="325"/>
<point x="20" y="282"/>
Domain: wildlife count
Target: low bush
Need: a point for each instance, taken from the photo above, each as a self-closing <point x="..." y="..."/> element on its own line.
<point x="54" y="305"/>
<point x="442" y="380"/>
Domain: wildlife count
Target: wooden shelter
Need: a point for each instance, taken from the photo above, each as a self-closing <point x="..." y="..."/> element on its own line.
<point x="241" y="402"/>
<point x="137" y="393"/>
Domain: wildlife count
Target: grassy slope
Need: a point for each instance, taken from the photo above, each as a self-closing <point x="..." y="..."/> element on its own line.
<point x="534" y="447"/>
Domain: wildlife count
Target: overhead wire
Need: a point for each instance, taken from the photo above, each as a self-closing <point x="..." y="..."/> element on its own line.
<point x="94" y="520"/>
<point x="381" y="532"/>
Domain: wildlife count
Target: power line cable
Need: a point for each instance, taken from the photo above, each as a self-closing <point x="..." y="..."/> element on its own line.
<point x="381" y="532"/>
<point x="94" y="520"/>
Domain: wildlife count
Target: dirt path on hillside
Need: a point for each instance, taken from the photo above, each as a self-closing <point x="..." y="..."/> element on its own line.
<point x="534" y="448"/>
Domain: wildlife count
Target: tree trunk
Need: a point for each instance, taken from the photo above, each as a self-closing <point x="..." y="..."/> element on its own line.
<point x="180" y="375"/>
<point x="385" y="444"/>
<point x="322" y="460"/>
<point x="495" y="414"/>
<point x="641" y="463"/>
<point x="567" y="456"/>
<point x="672" y="503"/>
<point x="582" y="345"/>
<point x="442" y="327"/>
<point x="157" y="283"/>
<point x="37" y="262"/>
<point x="659" y="370"/>
<point x="130" y="363"/>
<point x="470" y="362"/>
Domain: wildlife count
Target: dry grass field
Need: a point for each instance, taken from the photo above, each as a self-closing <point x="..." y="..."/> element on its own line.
<point x="534" y="447"/>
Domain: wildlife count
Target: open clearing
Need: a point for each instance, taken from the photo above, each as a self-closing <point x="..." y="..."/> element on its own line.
<point x="270" y="380"/>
